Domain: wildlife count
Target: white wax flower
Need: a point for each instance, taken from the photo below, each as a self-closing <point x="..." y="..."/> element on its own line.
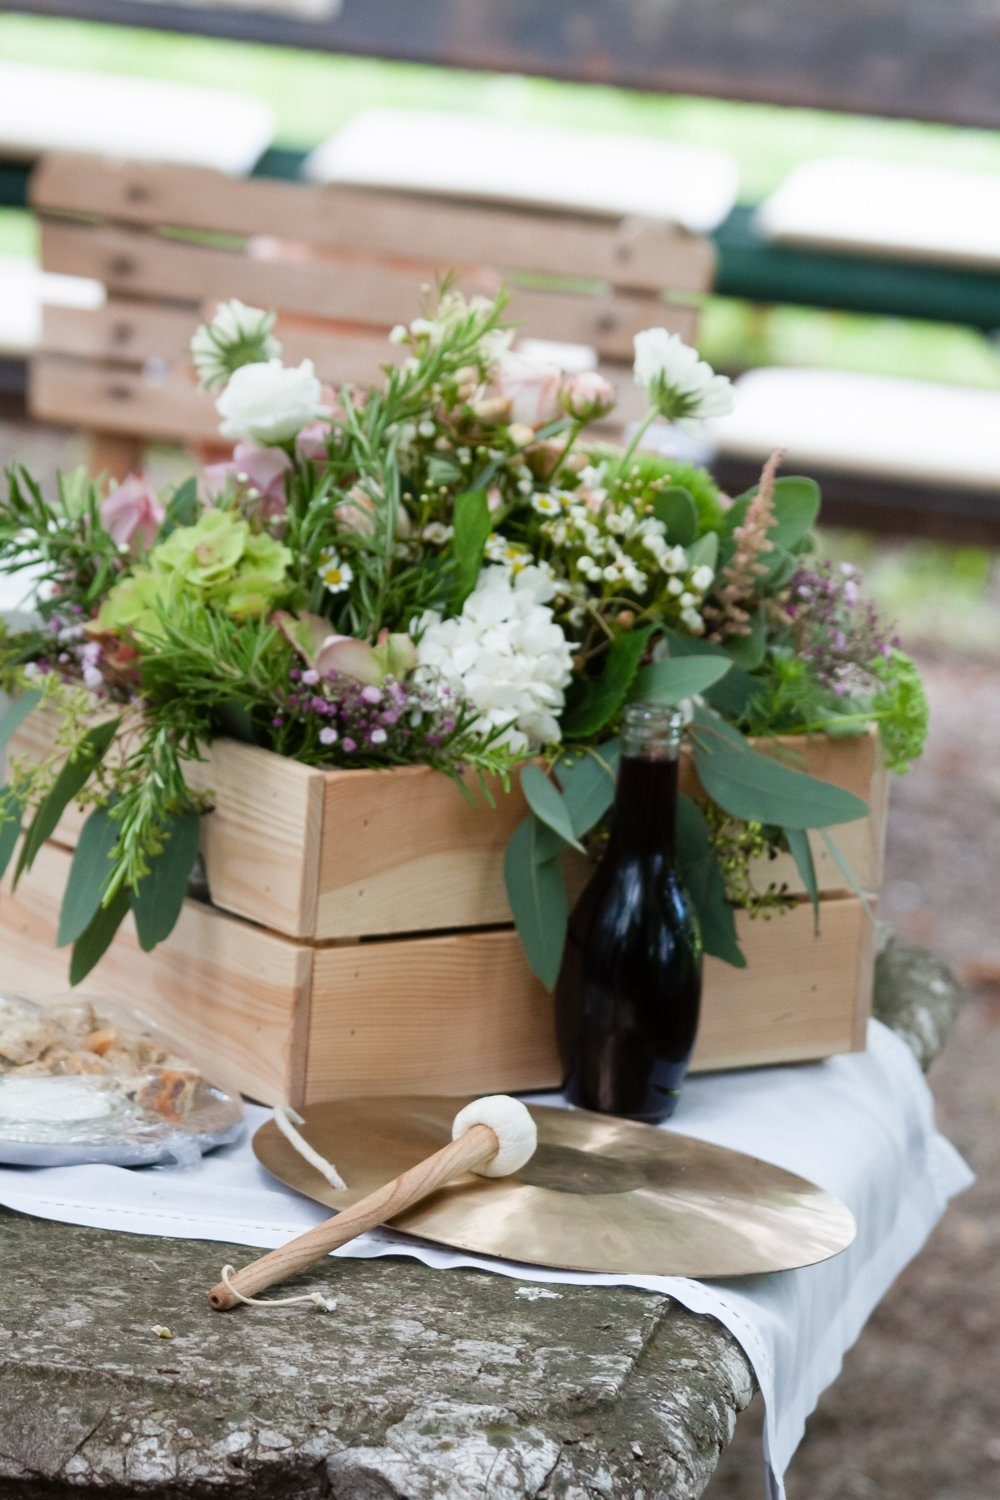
<point x="681" y="386"/>
<point x="271" y="402"/>
<point x="504" y="654"/>
<point x="237" y="335"/>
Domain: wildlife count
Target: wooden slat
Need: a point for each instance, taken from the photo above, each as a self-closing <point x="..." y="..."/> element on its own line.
<point x="79" y="393"/>
<point x="345" y="854"/>
<point x="136" y="333"/>
<point x="635" y="254"/>
<point x="131" y="263"/>
<point x="262" y="841"/>
<point x="444" y="1015"/>
<point x="233" y="997"/>
<point x="463" y="1014"/>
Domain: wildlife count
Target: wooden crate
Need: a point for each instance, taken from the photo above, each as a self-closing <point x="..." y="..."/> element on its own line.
<point x="359" y="937"/>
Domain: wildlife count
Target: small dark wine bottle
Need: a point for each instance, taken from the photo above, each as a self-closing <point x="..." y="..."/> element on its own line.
<point x="629" y="991"/>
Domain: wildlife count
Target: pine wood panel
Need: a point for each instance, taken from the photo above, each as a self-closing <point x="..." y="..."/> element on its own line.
<point x="636" y="254"/>
<point x="360" y="292"/>
<point x="120" y="400"/>
<point x="463" y="1013"/>
<point x="448" y="1015"/>
<point x="235" y="998"/>
<point x="284" y="1021"/>
<point x="342" y="854"/>
<point x="133" y="334"/>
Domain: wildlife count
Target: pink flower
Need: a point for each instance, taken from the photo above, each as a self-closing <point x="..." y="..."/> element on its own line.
<point x="311" y="443"/>
<point x="531" y="386"/>
<point x="357" y="512"/>
<point x="131" y="513"/>
<point x="587" y="396"/>
<point x="253" y="467"/>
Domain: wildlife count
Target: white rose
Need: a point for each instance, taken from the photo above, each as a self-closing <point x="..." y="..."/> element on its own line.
<point x="270" y="402"/>
<point x="532" y="386"/>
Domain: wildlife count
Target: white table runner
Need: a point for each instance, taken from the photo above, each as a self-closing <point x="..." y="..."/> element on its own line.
<point x="861" y="1126"/>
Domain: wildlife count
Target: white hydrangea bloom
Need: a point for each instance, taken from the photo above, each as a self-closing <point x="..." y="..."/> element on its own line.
<point x="237" y="335"/>
<point x="504" y="654"/>
<point x="681" y="386"/>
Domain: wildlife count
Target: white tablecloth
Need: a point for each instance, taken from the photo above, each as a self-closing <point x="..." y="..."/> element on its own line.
<point x="861" y="1126"/>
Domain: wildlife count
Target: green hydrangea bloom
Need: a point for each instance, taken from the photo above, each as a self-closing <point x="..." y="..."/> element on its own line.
<point x="218" y="561"/>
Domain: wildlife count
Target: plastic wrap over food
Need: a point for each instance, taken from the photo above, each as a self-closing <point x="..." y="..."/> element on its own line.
<point x="88" y="1080"/>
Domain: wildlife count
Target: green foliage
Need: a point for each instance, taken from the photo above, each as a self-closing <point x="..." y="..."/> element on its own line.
<point x="901" y="709"/>
<point x="548" y="804"/>
<point x="157" y="899"/>
<point x="593" y="702"/>
<point x="754" y="787"/>
<point x="675" y="678"/>
<point x="472" y="527"/>
<point x="88" y="876"/>
<point x="651" y="473"/>
<point x="537" y="894"/>
<point x="796" y="508"/>
<point x="701" y="874"/>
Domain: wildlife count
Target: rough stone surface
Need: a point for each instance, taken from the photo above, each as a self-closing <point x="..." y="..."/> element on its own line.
<point x="421" y="1384"/>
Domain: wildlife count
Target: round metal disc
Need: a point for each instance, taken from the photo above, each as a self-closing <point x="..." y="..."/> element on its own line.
<point x="600" y="1194"/>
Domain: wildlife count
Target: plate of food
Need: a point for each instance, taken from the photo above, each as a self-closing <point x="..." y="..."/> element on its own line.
<point x="85" y="1080"/>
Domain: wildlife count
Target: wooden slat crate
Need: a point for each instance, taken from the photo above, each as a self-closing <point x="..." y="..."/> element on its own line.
<point x="359" y="938"/>
<point x="339" y="265"/>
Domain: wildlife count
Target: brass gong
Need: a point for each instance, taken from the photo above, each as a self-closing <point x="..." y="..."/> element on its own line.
<point x="600" y="1194"/>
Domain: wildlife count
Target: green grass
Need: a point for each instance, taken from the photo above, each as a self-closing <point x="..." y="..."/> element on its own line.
<point x="313" y="94"/>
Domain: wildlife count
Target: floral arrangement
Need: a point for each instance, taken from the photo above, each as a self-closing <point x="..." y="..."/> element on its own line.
<point x="448" y="570"/>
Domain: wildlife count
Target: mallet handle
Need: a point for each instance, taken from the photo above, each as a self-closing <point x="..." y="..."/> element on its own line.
<point x="473" y="1149"/>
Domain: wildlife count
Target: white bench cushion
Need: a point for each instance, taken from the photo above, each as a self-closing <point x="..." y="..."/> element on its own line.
<point x="24" y="287"/>
<point x="909" y="430"/>
<point x="884" y="208"/>
<point x="509" y="161"/>
<point x="145" y="119"/>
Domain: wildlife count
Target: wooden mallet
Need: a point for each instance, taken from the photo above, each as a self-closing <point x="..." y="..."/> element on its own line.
<point x="493" y="1137"/>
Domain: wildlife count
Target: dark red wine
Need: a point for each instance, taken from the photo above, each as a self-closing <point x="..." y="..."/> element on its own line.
<point x="629" y="992"/>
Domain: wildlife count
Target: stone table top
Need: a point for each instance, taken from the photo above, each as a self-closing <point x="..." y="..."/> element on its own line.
<point x="419" y="1385"/>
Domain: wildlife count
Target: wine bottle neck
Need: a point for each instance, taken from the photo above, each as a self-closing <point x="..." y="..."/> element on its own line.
<point x="644" y="819"/>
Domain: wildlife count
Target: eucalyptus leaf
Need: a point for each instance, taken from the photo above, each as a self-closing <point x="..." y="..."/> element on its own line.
<point x="675" y="507"/>
<point x="701" y="876"/>
<point x="732" y="692"/>
<point x="88" y="875"/>
<point x="546" y="802"/>
<point x="91" y="946"/>
<point x="68" y="784"/>
<point x="472" y="527"/>
<point x="593" y="702"/>
<point x="704" y="552"/>
<point x="844" y="865"/>
<point x="15" y="714"/>
<point x="675" y="678"/>
<point x="754" y="787"/>
<point x="182" y="509"/>
<point x="536" y="891"/>
<point x="10" y="830"/>
<point x="157" y="900"/>
<point x="801" y="851"/>
<point x="587" y="778"/>
<point x="796" y="506"/>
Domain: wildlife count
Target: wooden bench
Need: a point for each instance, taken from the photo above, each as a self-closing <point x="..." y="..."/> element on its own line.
<point x="340" y="265"/>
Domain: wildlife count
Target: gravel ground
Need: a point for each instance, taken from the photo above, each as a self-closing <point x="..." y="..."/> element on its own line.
<point x="915" y="1414"/>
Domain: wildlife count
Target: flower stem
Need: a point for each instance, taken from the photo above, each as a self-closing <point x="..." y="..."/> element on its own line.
<point x="637" y="437"/>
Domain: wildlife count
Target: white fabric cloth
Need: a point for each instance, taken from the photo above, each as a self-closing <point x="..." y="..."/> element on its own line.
<point x="861" y="1126"/>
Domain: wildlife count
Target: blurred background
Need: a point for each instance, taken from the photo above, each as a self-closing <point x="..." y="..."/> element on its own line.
<point x="844" y="162"/>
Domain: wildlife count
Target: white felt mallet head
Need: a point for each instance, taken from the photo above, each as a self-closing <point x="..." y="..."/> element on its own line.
<point x="512" y="1125"/>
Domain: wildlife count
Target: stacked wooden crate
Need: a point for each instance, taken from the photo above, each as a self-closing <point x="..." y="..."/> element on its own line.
<point x="359" y="938"/>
